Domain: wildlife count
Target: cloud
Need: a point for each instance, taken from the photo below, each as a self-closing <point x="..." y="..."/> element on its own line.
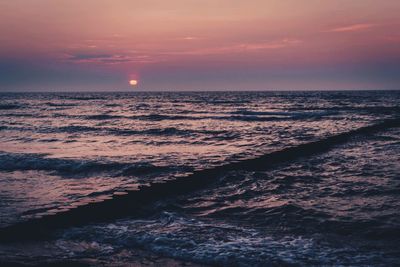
<point x="239" y="48"/>
<point x="190" y="38"/>
<point x="267" y="45"/>
<point x="187" y="38"/>
<point x="106" y="58"/>
<point x="148" y="57"/>
<point x="352" y="28"/>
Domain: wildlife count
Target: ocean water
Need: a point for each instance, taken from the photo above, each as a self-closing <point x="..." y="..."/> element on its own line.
<point x="216" y="178"/>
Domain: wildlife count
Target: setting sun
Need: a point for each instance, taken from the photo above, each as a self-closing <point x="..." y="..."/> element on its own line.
<point x="133" y="82"/>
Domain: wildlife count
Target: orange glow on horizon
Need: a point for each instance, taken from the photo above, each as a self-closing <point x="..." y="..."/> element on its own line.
<point x="133" y="82"/>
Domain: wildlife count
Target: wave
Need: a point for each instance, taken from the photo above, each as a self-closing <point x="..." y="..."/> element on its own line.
<point x="286" y="113"/>
<point x="131" y="202"/>
<point x="282" y="115"/>
<point x="149" y="117"/>
<point x="232" y="117"/>
<point x="241" y="115"/>
<point x="39" y="162"/>
<point x="27" y="115"/>
<point x="87" y="97"/>
<point x="160" y="117"/>
<point x="197" y="241"/>
<point x="74" y="129"/>
<point x="175" y="131"/>
<point x="169" y="131"/>
<point x="103" y="117"/>
<point x="52" y="104"/>
<point x="10" y="106"/>
<point x="374" y="109"/>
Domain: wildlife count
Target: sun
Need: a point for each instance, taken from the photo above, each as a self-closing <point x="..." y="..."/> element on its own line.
<point x="133" y="82"/>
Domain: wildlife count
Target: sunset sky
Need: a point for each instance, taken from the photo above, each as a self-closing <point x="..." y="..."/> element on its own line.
<point x="71" y="45"/>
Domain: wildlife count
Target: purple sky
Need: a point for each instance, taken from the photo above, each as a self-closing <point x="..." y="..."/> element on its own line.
<point x="97" y="45"/>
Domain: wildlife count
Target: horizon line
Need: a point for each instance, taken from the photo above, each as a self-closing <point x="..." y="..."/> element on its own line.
<point x="199" y="90"/>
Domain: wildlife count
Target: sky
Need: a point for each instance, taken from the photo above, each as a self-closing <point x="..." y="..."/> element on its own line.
<point x="100" y="45"/>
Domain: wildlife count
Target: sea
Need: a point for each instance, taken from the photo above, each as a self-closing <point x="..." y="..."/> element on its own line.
<point x="210" y="178"/>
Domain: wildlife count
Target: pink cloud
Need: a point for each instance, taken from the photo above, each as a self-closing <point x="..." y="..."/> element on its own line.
<point x="353" y="28"/>
<point x="241" y="47"/>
